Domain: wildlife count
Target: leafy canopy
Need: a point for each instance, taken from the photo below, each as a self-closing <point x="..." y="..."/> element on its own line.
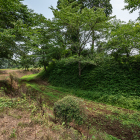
<point x="132" y="5"/>
<point x="82" y="21"/>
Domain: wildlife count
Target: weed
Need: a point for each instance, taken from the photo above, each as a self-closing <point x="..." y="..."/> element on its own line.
<point x="29" y="77"/>
<point x="3" y="132"/>
<point x="22" y="124"/>
<point x="13" y="134"/>
<point x="5" y="102"/>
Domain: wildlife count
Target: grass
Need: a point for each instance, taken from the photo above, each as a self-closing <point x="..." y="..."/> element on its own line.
<point x="83" y="94"/>
<point x="130" y="102"/>
<point x="43" y="123"/>
<point x="13" y="135"/>
<point x="29" y="77"/>
<point x="121" y="100"/>
<point x="127" y="118"/>
<point x="9" y="69"/>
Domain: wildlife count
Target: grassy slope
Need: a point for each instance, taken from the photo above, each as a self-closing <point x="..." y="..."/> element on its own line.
<point x="29" y="77"/>
<point x="109" y="83"/>
<point x="24" y="115"/>
<point x="123" y="121"/>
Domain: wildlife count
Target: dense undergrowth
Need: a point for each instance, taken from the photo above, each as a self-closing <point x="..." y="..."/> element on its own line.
<point x="112" y="82"/>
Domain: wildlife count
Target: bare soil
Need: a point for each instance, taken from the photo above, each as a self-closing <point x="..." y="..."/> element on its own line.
<point x="4" y="74"/>
<point x="16" y="124"/>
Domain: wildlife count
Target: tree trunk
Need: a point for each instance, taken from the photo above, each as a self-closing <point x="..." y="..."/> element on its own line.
<point x="127" y="54"/>
<point x="44" y="63"/>
<point x="79" y="63"/>
<point x="79" y="66"/>
<point x="45" y="67"/>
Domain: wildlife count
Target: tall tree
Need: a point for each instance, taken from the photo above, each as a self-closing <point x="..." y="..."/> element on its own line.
<point x="105" y="4"/>
<point x="79" y="21"/>
<point x="124" y="37"/>
<point x="16" y="22"/>
<point x="50" y="43"/>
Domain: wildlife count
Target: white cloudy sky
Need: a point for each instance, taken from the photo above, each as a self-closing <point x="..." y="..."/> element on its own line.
<point x="42" y="6"/>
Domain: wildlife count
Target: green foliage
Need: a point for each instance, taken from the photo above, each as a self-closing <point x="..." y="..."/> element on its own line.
<point x="13" y="134"/>
<point x="16" y="22"/>
<point x="49" y="39"/>
<point x="29" y="77"/>
<point x="50" y="67"/>
<point x="68" y="109"/>
<point x="109" y="82"/>
<point x="124" y="37"/>
<point x="5" y="102"/>
<point x="6" y="63"/>
<point x="79" y="25"/>
<point x="108" y="76"/>
<point x="132" y="5"/>
<point x="110" y="137"/>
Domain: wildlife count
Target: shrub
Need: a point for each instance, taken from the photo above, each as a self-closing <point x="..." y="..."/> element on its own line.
<point x="68" y="109"/>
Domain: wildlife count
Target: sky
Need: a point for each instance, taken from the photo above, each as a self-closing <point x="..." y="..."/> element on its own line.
<point x="42" y="7"/>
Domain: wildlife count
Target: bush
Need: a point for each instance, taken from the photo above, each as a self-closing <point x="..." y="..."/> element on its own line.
<point x="68" y="109"/>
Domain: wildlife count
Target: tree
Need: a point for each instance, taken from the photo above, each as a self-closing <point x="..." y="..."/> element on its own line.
<point x="5" y="63"/>
<point x="49" y="42"/>
<point x="16" y="22"/>
<point x="96" y="34"/>
<point x="132" y="5"/>
<point x="123" y="38"/>
<point x="84" y="21"/>
<point x="105" y="4"/>
<point x="68" y="34"/>
<point x="8" y="20"/>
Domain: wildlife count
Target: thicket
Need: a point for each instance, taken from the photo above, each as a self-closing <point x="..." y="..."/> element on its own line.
<point x="109" y="81"/>
<point x="110" y="76"/>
